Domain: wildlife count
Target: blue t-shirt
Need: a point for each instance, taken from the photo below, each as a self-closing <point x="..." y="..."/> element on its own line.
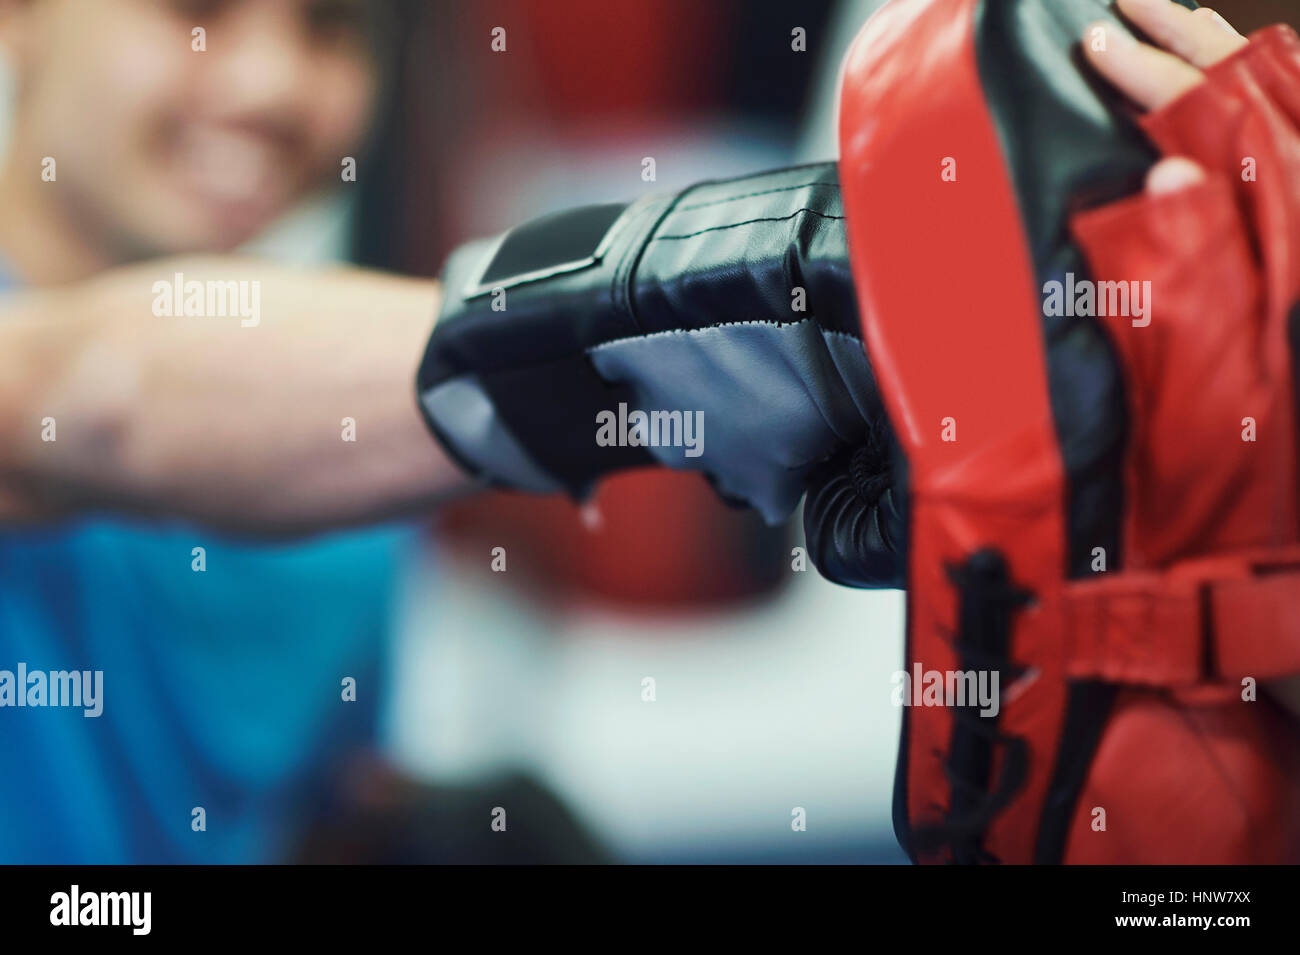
<point x="222" y="688"/>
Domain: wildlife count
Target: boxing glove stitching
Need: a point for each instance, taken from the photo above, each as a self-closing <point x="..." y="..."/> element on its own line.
<point x="691" y="331"/>
<point x="751" y="195"/>
<point x="734" y="225"/>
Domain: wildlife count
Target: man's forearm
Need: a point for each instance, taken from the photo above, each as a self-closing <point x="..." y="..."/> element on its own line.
<point x="292" y="411"/>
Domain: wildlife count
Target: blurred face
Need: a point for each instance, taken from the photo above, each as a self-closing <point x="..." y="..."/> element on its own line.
<point x="163" y="148"/>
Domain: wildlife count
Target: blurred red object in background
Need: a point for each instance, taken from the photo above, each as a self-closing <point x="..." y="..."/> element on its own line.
<point x="647" y="539"/>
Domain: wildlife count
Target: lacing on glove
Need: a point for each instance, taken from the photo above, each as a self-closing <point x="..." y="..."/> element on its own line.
<point x="989" y="600"/>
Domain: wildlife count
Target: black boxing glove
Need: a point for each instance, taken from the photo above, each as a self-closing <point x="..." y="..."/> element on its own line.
<point x="724" y="314"/>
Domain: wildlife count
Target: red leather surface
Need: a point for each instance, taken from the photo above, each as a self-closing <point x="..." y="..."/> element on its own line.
<point x="911" y="97"/>
<point x="1151" y="627"/>
<point x="1191" y="781"/>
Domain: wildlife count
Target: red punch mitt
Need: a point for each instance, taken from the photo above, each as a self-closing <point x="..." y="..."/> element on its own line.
<point x="1094" y="529"/>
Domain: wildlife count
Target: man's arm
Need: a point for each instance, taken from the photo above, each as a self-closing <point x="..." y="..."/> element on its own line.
<point x="215" y="418"/>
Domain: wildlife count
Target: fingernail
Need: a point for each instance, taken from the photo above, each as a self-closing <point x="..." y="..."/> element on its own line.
<point x="1172" y="175"/>
<point x="1222" y="23"/>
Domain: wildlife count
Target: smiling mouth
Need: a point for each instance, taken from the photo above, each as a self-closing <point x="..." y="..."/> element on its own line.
<point x="242" y="174"/>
